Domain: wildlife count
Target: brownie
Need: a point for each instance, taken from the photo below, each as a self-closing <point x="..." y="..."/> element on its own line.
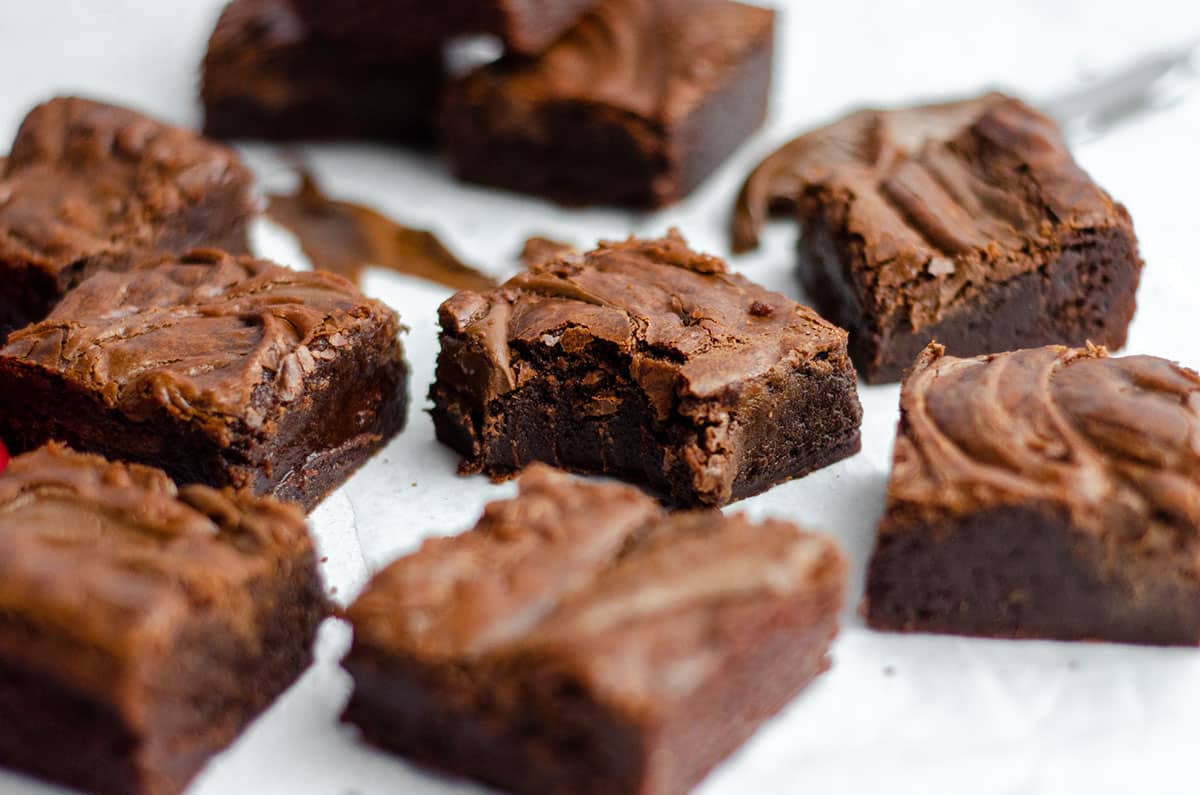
<point x="141" y="626"/>
<point x="524" y="26"/>
<point x="267" y="76"/>
<point x="1043" y="493"/>
<point x="92" y="187"/>
<point x="635" y="106"/>
<point x="646" y="361"/>
<point x="967" y="223"/>
<point x="220" y="370"/>
<point x="579" y="640"/>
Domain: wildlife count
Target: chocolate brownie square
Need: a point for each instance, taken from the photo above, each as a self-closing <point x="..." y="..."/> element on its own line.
<point x="967" y="223"/>
<point x="141" y="626"/>
<point x="92" y="187"/>
<point x="220" y="370"/>
<point x="1043" y="493"/>
<point x="266" y="75"/>
<point x="646" y="361"/>
<point x="579" y="640"/>
<point x="524" y="26"/>
<point x="635" y="106"/>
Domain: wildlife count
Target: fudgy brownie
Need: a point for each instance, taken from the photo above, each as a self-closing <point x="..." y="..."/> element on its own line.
<point x="578" y="640"/>
<point x="1043" y="493"/>
<point x="635" y="106"/>
<point x="141" y="626"/>
<point x="266" y="75"/>
<point x="220" y="370"/>
<point x="525" y="26"/>
<point x="647" y="361"/>
<point x="967" y="223"/>
<point x="91" y="187"/>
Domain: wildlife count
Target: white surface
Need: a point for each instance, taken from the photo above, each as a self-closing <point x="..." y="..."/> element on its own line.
<point x="901" y="714"/>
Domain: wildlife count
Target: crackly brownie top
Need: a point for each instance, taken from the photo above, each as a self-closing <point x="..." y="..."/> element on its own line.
<point x="656" y="59"/>
<point x="114" y="556"/>
<point x="689" y="326"/>
<point x="1114" y="440"/>
<point x="209" y="338"/>
<point x="933" y="201"/>
<point x="88" y="180"/>
<point x="594" y="573"/>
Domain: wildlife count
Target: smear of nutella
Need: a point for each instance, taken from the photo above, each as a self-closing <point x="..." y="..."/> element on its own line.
<point x="347" y="238"/>
<point x="543" y="249"/>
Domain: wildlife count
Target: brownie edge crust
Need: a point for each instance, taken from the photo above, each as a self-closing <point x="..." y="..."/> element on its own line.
<point x="1044" y="493"/>
<point x="650" y="362"/>
<point x="581" y="641"/>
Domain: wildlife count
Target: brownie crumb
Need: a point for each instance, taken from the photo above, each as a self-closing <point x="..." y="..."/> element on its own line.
<point x="759" y="309"/>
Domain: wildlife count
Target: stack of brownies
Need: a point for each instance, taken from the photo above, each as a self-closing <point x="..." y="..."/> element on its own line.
<point x="170" y="397"/>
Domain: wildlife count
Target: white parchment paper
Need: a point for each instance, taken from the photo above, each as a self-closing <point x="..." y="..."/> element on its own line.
<point x="896" y="714"/>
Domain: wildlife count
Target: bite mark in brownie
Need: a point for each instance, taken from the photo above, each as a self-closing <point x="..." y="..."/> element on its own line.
<point x="647" y="361"/>
<point x="91" y="187"/>
<point x="636" y="105"/>
<point x="580" y="640"/>
<point x="1043" y="493"/>
<point x="220" y="370"/>
<point x="526" y="27"/>
<point x="142" y="626"/>
<point x="267" y="75"/>
<point x="967" y="223"/>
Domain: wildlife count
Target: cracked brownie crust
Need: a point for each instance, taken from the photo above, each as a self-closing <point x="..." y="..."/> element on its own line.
<point x="580" y="640"/>
<point x="967" y="223"/>
<point x="142" y="626"/>
<point x="220" y="370"/>
<point x="647" y="361"/>
<point x="1050" y="492"/>
<point x="91" y="187"/>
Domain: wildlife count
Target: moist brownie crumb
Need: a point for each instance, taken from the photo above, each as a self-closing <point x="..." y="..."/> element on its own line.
<point x="92" y="187"/>
<point x="647" y="361"/>
<point x="220" y="370"/>
<point x="142" y="626"/>
<point x="636" y="105"/>
<point x="967" y="223"/>
<point x="1043" y="493"/>
<point x="581" y="640"/>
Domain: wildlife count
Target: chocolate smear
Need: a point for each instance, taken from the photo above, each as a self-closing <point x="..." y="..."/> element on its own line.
<point x="348" y="238"/>
<point x="542" y="249"/>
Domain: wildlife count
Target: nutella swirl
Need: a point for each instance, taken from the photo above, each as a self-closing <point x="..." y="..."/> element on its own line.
<point x="570" y="564"/>
<point x="1114" y="440"/>
<point x="198" y="335"/>
<point x="140" y="552"/>
<point x="937" y="201"/>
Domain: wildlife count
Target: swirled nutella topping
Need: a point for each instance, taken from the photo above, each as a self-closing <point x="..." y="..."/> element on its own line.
<point x="1114" y="440"/>
<point x="105" y="554"/>
<point x="596" y="567"/>
<point x="199" y="336"/>
<point x="652" y="58"/>
<point x="941" y="198"/>
<point x="91" y="185"/>
<point x="690" y="326"/>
